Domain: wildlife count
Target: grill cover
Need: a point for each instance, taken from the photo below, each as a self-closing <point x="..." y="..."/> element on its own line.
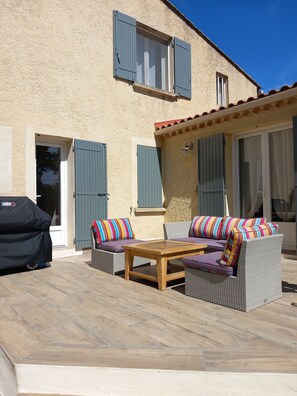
<point x="24" y="233"/>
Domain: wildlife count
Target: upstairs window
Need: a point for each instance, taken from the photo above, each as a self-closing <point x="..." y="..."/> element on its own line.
<point x="152" y="63"/>
<point x="222" y="90"/>
<point x="151" y="58"/>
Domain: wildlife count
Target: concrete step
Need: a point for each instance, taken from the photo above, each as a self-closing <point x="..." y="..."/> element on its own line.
<point x="97" y="381"/>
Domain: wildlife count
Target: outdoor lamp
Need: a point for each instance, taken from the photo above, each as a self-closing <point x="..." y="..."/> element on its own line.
<point x="187" y="147"/>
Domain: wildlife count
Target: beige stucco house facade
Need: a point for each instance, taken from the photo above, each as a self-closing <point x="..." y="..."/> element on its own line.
<point x="256" y="174"/>
<point x="69" y="106"/>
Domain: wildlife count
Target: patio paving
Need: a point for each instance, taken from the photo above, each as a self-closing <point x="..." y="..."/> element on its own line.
<point x="72" y="314"/>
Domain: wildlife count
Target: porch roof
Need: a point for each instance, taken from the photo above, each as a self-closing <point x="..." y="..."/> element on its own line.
<point x="286" y="95"/>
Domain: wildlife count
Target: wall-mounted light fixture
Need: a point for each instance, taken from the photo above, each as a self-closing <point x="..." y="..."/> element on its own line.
<point x="187" y="147"/>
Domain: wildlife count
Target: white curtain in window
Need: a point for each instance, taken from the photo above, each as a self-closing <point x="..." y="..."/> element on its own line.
<point x="153" y="59"/>
<point x="152" y="62"/>
<point x="250" y="176"/>
<point x="140" y="60"/>
<point x="164" y="68"/>
<point x="282" y="175"/>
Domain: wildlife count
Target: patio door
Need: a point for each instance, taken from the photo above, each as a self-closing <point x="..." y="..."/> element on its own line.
<point x="266" y="185"/>
<point x="251" y="194"/>
<point x="51" y="187"/>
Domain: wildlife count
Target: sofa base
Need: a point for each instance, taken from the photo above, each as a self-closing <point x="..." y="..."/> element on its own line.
<point x="112" y="262"/>
<point x="258" y="279"/>
<point x="222" y="290"/>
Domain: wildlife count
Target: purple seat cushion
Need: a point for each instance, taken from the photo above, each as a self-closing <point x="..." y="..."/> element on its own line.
<point x="209" y="262"/>
<point x="212" y="244"/>
<point x="117" y="246"/>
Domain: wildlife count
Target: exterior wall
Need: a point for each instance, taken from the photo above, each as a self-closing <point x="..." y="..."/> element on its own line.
<point x="56" y="74"/>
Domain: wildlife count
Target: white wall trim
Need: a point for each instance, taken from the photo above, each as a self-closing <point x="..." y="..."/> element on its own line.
<point x="6" y="159"/>
<point x="30" y="163"/>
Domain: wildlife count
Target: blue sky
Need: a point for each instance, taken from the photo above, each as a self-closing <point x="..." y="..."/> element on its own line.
<point x="260" y="36"/>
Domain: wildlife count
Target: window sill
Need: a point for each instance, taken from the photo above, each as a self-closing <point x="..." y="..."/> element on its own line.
<point x="149" y="211"/>
<point x="155" y="92"/>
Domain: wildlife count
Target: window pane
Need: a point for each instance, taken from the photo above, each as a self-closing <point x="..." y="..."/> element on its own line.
<point x="282" y="176"/>
<point x="152" y="62"/>
<point x="164" y="67"/>
<point x="140" y="60"/>
<point x="250" y="171"/>
<point x="221" y="90"/>
<point x="48" y="160"/>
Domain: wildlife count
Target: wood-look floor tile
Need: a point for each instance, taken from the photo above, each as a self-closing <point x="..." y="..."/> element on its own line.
<point x="154" y="358"/>
<point x="71" y="313"/>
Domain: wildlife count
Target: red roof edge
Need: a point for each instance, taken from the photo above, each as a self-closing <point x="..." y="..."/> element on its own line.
<point x="168" y="123"/>
<point x="160" y="124"/>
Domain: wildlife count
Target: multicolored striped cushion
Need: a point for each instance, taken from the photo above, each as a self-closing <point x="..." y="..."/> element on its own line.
<point x="230" y="222"/>
<point x="238" y="234"/>
<point x="206" y="227"/>
<point x="112" y="230"/>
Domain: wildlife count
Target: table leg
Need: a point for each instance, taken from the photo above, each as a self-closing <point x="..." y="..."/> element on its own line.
<point x="162" y="273"/>
<point x="128" y="264"/>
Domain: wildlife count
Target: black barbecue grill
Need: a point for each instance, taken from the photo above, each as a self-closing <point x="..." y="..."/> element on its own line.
<point x="24" y="234"/>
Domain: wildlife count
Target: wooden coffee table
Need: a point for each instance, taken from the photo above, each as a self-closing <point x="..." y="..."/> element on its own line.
<point x="162" y="251"/>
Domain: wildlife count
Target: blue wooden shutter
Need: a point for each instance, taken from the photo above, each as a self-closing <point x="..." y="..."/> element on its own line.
<point x="90" y="188"/>
<point x="124" y="46"/>
<point x="295" y="168"/>
<point x="211" y="184"/>
<point x="149" y="178"/>
<point x="182" y="68"/>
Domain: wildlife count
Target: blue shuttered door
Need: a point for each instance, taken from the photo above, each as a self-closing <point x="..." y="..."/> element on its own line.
<point x="149" y="177"/>
<point x="124" y="46"/>
<point x="182" y="68"/>
<point x="295" y="168"/>
<point x="90" y="188"/>
<point x="211" y="184"/>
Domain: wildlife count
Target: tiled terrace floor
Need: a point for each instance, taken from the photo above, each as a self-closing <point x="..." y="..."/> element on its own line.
<point x="72" y="314"/>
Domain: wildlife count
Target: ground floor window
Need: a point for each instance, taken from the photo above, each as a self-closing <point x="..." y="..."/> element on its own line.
<point x="48" y="181"/>
<point x="250" y="177"/>
<point x="282" y="176"/>
<point x="266" y="175"/>
<point x="51" y="186"/>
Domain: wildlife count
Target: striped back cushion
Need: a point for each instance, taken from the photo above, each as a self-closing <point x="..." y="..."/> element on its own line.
<point x="206" y="227"/>
<point x="230" y="222"/>
<point x="238" y="234"/>
<point x="112" y="230"/>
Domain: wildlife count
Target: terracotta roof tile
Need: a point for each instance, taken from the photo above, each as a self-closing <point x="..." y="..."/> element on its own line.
<point x="165" y="124"/>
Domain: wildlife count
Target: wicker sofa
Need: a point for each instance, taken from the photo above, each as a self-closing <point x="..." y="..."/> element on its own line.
<point x="108" y="255"/>
<point x="253" y="282"/>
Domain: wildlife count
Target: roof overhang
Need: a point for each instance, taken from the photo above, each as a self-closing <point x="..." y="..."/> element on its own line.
<point x="216" y="117"/>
